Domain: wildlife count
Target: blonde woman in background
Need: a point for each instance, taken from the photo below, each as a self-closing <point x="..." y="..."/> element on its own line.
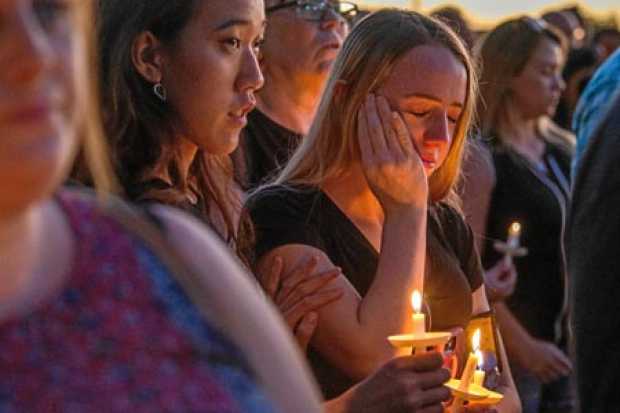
<point x="520" y="85"/>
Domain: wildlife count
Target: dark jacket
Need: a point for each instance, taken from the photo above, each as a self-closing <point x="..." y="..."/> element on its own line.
<point x="593" y="250"/>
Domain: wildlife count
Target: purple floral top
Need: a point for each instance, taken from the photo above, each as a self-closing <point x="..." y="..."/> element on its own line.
<point x="121" y="336"/>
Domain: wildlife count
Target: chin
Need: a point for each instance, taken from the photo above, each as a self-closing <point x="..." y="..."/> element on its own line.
<point x="29" y="184"/>
<point x="226" y="144"/>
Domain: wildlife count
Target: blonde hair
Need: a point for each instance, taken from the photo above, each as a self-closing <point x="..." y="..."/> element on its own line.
<point x="502" y="55"/>
<point x="366" y="60"/>
<point x="93" y="165"/>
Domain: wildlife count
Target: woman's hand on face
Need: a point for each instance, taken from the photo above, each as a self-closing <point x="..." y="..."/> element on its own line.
<point x="299" y="294"/>
<point x="500" y="280"/>
<point x="393" y="168"/>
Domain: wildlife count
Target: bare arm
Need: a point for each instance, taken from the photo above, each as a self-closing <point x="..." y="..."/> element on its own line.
<point x="478" y="183"/>
<point x="240" y="309"/>
<point x="544" y="359"/>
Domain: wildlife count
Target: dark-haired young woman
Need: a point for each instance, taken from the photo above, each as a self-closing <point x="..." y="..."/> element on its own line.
<point x="177" y="81"/>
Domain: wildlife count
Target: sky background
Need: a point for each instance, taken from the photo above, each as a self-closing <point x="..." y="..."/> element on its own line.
<point x="489" y="11"/>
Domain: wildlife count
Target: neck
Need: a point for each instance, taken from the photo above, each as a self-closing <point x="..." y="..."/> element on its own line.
<point x="522" y="130"/>
<point x="18" y="247"/>
<point x="353" y="195"/>
<point x="290" y="101"/>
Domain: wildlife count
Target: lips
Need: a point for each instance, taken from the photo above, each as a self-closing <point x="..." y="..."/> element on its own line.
<point x="429" y="159"/>
<point x="239" y="115"/>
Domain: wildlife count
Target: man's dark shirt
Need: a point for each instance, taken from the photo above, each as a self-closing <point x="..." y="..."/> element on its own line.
<point x="264" y="149"/>
<point x="593" y="250"/>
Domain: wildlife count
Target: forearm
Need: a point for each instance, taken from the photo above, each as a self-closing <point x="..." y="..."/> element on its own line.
<point x="516" y="336"/>
<point x="386" y="308"/>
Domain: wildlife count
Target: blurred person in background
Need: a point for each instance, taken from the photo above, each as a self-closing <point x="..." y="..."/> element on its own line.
<point x="592" y="241"/>
<point x="569" y="25"/>
<point x="302" y="41"/>
<point x="579" y="67"/>
<point x="520" y="86"/>
<point x="95" y="312"/>
<point x="605" y="42"/>
<point x="456" y="20"/>
<point x="594" y="103"/>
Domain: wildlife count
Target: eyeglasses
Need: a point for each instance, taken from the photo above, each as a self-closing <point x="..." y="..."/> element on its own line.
<point x="316" y="10"/>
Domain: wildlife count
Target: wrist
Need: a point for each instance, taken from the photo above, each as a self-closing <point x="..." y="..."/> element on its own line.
<point x="405" y="211"/>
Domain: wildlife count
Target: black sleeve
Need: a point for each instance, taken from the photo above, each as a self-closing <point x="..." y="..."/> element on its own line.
<point x="461" y="238"/>
<point x="281" y="216"/>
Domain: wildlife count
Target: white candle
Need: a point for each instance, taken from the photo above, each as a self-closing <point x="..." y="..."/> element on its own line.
<point x="514" y="235"/>
<point x="479" y="373"/>
<point x="419" y="325"/>
<point x="472" y="362"/>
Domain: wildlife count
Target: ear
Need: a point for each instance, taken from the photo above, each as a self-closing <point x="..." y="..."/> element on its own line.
<point x="147" y="57"/>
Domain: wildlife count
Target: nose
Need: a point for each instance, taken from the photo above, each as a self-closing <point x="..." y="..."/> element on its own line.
<point x="31" y="53"/>
<point x="250" y="77"/>
<point x="438" y="132"/>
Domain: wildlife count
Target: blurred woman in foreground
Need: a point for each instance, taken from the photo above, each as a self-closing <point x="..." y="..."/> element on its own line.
<point x="93" y="315"/>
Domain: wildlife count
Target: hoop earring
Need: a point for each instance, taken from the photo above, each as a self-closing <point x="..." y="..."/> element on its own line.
<point x="160" y="91"/>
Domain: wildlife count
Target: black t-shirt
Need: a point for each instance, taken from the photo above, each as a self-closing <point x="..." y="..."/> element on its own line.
<point x="302" y="215"/>
<point x="537" y="199"/>
<point x="264" y="148"/>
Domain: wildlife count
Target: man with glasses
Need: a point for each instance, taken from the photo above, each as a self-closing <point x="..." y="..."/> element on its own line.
<point x="302" y="41"/>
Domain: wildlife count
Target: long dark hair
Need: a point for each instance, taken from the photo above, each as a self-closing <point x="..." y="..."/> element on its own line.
<point x="142" y="130"/>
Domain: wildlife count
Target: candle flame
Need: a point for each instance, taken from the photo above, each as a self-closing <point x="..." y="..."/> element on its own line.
<point x="480" y="358"/>
<point x="416" y="301"/>
<point x="515" y="228"/>
<point x="475" y="341"/>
